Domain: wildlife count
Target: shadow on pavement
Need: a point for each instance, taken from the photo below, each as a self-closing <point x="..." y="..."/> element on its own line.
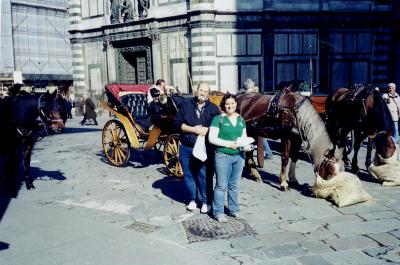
<point x="80" y="130"/>
<point x="172" y="187"/>
<point x="4" y="246"/>
<point x="364" y="175"/>
<point x="38" y="173"/>
<point x="6" y="194"/>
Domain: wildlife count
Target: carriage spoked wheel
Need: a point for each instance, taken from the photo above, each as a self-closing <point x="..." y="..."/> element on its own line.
<point x="171" y="156"/>
<point x="116" y="144"/>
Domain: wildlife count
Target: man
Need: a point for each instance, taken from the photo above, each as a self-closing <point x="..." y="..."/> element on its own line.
<point x="193" y="119"/>
<point x="90" y="112"/>
<point x="156" y="90"/>
<point x="393" y="102"/>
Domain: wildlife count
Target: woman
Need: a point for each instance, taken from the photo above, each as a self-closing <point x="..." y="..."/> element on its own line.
<point x="225" y="130"/>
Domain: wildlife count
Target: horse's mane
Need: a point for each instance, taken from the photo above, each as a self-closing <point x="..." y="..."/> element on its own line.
<point x="314" y="131"/>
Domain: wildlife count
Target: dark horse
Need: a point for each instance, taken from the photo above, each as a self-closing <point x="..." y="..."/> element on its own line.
<point x="18" y="122"/>
<point x="360" y="109"/>
<point x="292" y="119"/>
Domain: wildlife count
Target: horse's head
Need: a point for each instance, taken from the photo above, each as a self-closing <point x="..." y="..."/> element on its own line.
<point x="379" y="118"/>
<point x="385" y="145"/>
<point x="52" y="110"/>
<point x="330" y="166"/>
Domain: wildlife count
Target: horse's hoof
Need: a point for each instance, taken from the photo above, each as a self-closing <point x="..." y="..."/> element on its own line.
<point x="285" y="188"/>
<point x="355" y="170"/>
<point x="29" y="186"/>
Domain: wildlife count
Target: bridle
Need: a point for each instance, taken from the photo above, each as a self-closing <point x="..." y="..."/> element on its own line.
<point x="327" y="163"/>
<point x="46" y="121"/>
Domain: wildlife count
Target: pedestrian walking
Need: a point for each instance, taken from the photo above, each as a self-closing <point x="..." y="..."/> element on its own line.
<point x="393" y="102"/>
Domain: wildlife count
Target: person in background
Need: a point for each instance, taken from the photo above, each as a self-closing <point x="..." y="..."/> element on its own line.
<point x="156" y="90"/>
<point x="225" y="130"/>
<point x="250" y="87"/>
<point x="393" y="102"/>
<point x="90" y="110"/>
<point x="192" y="120"/>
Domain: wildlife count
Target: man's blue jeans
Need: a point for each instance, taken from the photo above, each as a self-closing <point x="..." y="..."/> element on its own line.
<point x="396" y="131"/>
<point x="229" y="171"/>
<point x="194" y="172"/>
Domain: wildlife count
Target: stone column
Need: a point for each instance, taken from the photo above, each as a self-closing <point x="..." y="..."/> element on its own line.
<point x="202" y="43"/>
<point x="78" y="64"/>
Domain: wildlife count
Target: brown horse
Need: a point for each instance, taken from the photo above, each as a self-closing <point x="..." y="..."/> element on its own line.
<point x="360" y="109"/>
<point x="293" y="120"/>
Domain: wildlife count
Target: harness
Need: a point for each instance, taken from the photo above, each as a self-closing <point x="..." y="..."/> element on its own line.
<point x="273" y="106"/>
<point x="355" y="96"/>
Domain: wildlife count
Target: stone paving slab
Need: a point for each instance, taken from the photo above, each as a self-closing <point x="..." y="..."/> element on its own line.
<point x="352" y="257"/>
<point x="364" y="228"/>
<point x="282" y="251"/>
<point x="316" y="247"/>
<point x="280" y="238"/>
<point x="385" y="239"/>
<point x="357" y="242"/>
<point x="313" y="260"/>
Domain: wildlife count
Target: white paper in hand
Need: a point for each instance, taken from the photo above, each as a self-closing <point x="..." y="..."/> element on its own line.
<point x="244" y="141"/>
<point x="199" y="149"/>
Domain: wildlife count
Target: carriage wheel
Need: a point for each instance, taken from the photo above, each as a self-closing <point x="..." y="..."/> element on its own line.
<point x="349" y="142"/>
<point x="171" y="156"/>
<point x="116" y="144"/>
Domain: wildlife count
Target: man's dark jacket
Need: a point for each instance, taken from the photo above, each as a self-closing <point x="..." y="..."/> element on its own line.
<point x="187" y="115"/>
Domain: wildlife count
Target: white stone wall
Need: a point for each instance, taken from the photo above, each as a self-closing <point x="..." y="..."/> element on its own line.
<point x="95" y="68"/>
<point x="175" y="60"/>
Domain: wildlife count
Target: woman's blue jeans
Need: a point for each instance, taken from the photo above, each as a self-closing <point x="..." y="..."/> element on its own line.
<point x="194" y="172"/>
<point x="229" y="170"/>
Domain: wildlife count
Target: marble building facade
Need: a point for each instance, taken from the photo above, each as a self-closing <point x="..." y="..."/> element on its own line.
<point x="327" y="42"/>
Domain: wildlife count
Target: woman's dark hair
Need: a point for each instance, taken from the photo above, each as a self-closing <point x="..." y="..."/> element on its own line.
<point x="225" y="98"/>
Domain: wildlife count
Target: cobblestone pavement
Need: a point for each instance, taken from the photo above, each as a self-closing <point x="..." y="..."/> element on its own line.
<point x="85" y="211"/>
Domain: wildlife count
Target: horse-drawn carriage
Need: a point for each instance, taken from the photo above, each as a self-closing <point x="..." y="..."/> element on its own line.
<point x="133" y="127"/>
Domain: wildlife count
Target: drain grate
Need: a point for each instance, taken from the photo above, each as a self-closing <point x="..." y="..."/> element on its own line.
<point x="209" y="229"/>
<point x="142" y="227"/>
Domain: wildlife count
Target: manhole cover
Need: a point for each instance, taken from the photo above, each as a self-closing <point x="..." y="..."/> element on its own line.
<point x="209" y="229"/>
<point x="142" y="227"/>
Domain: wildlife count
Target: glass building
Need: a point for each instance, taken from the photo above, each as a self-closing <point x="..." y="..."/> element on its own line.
<point x="35" y="41"/>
